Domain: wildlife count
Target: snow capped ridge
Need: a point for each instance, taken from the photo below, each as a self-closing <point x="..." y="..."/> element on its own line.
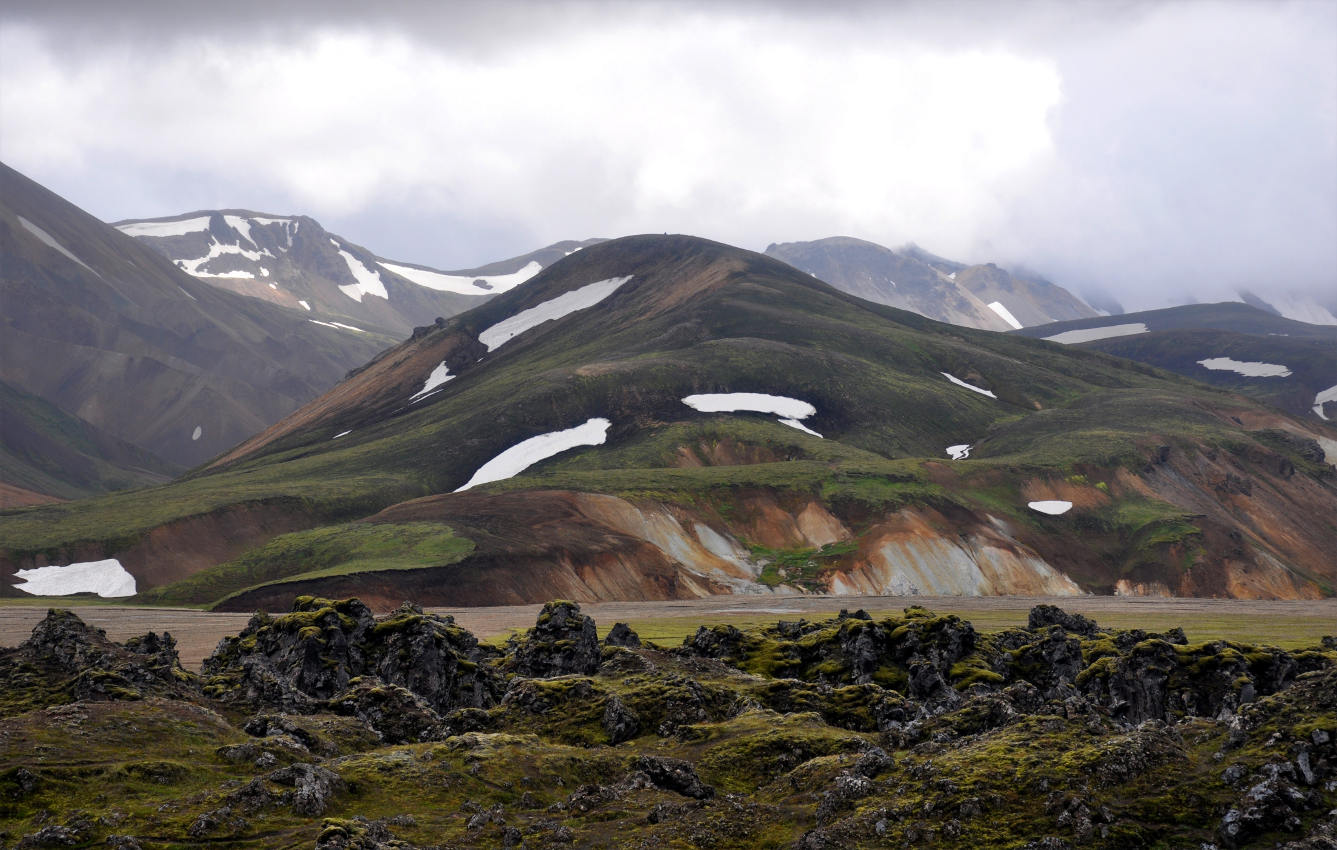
<point x="463" y="284"/>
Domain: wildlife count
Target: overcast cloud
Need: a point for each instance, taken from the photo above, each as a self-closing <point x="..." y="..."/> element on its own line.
<point x="1160" y="152"/>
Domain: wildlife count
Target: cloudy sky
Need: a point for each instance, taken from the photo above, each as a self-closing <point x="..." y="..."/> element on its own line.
<point x="1155" y="151"/>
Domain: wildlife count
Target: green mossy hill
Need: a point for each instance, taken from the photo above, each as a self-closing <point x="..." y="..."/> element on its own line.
<point x="331" y="728"/>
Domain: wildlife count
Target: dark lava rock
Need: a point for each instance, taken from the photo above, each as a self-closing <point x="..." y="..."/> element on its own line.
<point x="74" y="661"/>
<point x="622" y="635"/>
<point x="677" y="775"/>
<point x="621" y="723"/>
<point x="313" y="787"/>
<point x="396" y="714"/>
<point x="563" y="641"/>
<point x="358" y="833"/>
<point x="298" y="661"/>
<point x="1044" y="616"/>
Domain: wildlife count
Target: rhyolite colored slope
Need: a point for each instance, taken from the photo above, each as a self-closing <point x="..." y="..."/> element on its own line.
<point x="110" y="331"/>
<point x="913" y="279"/>
<point x="328" y="727"/>
<point x="1175" y="488"/>
<point x="1228" y="334"/>
<point x="292" y="261"/>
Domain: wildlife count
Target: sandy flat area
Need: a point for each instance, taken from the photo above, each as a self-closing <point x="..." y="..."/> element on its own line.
<point x="198" y="632"/>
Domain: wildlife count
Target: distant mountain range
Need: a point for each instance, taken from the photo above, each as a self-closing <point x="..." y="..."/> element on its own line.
<point x="1286" y="363"/>
<point x="294" y="262"/>
<point x="659" y="417"/>
<point x="113" y="334"/>
<point x="978" y="296"/>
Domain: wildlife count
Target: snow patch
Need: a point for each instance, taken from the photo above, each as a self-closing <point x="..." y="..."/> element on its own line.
<point x="1249" y="369"/>
<point x="961" y="383"/>
<point x="272" y="285"/>
<point x="197" y="433"/>
<point x="439" y="376"/>
<point x="368" y="281"/>
<point x="165" y="228"/>
<point x="1053" y="507"/>
<point x="50" y="242"/>
<point x="105" y="578"/>
<point x="522" y="455"/>
<point x="187" y="294"/>
<point x="960" y="452"/>
<point x="336" y="325"/>
<point x="242" y="226"/>
<point x="1322" y="398"/>
<point x="550" y="310"/>
<point x="1093" y="334"/>
<point x="342" y="434"/>
<point x="1005" y="314"/>
<point x="790" y="410"/>
<point x="464" y="284"/>
<point x="305" y="306"/>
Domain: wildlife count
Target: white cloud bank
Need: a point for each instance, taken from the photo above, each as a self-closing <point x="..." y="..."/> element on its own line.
<point x="1145" y="147"/>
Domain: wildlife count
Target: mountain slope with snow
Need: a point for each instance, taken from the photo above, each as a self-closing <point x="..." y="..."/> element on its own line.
<point x="983" y="296"/>
<point x="294" y="262"/>
<point x="720" y="422"/>
<point x="112" y="333"/>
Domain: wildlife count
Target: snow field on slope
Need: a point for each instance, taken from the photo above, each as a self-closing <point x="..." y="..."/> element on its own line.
<point x="526" y="453"/>
<point x="961" y="383"/>
<point x="1324" y="397"/>
<point x="551" y="310"/>
<point x="464" y="284"/>
<point x="1250" y="369"/>
<point x="105" y="578"/>
<point x="1005" y="314"/>
<point x="1093" y="334"/>
<point x="336" y="325"/>
<point x="368" y="281"/>
<point x="790" y="410"/>
<point x="439" y="376"/>
<point x="1053" y="507"/>
<point x="165" y="228"/>
<point x="50" y="241"/>
<point x="960" y="452"/>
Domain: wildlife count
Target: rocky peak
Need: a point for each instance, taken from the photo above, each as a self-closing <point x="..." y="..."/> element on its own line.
<point x="563" y="641"/>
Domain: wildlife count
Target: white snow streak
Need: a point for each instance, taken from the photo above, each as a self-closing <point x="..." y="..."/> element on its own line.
<point x="165" y="228"/>
<point x="464" y="284"/>
<point x="960" y="452"/>
<point x="791" y="410"/>
<point x="1093" y="334"/>
<point x="780" y="405"/>
<point x="50" y="241"/>
<point x="336" y="325"/>
<point x="1251" y="369"/>
<point x="1328" y="395"/>
<point x="439" y="376"/>
<point x="368" y="281"/>
<point x="550" y="310"/>
<point x="522" y="455"/>
<point x="794" y="423"/>
<point x="1053" y="507"/>
<point x="305" y="306"/>
<point x="105" y="578"/>
<point x="1005" y="314"/>
<point x="342" y="434"/>
<point x="961" y="383"/>
<point x="242" y="226"/>
<point x="197" y="433"/>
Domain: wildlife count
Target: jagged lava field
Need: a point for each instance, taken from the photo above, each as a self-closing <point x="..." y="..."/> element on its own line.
<point x="329" y="727"/>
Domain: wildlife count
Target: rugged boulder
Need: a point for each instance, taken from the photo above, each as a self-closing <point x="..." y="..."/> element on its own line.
<point x="563" y="641"/>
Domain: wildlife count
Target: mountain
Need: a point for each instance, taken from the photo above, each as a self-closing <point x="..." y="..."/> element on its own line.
<point x="658" y="417"/>
<point x="111" y="332"/>
<point x="48" y="455"/>
<point x="294" y="262"/>
<point x="1285" y="363"/>
<point x="910" y="278"/>
<point x="1299" y="306"/>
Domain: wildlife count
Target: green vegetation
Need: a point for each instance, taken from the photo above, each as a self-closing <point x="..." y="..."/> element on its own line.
<point x="359" y="547"/>
<point x="798" y="567"/>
